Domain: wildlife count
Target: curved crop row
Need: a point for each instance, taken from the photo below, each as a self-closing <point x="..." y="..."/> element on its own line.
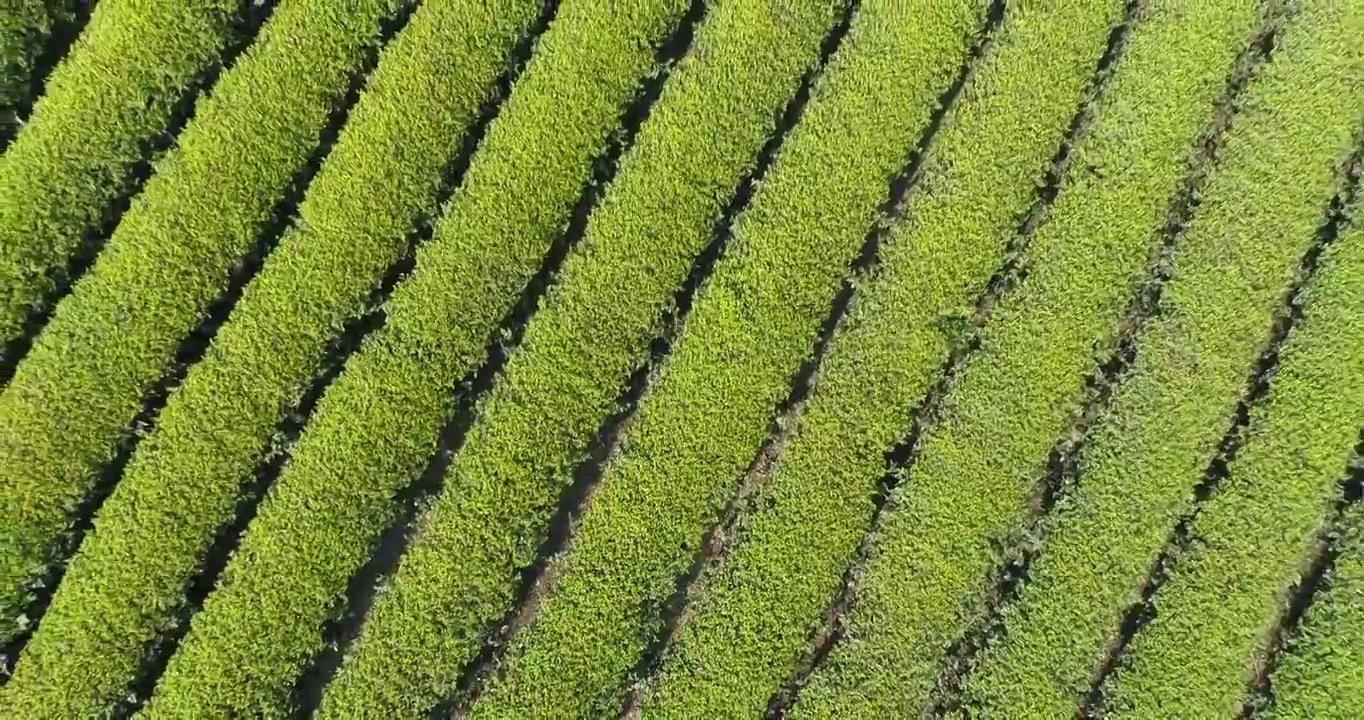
<point x="1324" y="672"/>
<point x="125" y="585"/>
<point x="74" y="395"/>
<point x="979" y="465"/>
<point x="1215" y="613"/>
<point x="753" y="323"/>
<point x="25" y="26"/>
<point x="462" y="572"/>
<point x="115" y="90"/>
<point x="751" y="620"/>
<point x="1258" y="214"/>
<point x="378" y="423"/>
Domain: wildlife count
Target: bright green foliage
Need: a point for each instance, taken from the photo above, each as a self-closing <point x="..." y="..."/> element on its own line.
<point x="126" y="583"/>
<point x="113" y="92"/>
<point x="461" y="574"/>
<point x="1178" y="230"/>
<point x="1259" y="213"/>
<point x="982" y="462"/>
<point x="752" y="620"/>
<point x="1249" y="542"/>
<point x="378" y="423"/>
<point x="81" y="385"/>
<point x="1322" y="675"/>
<point x="752" y="324"/>
<point x="25" y="26"/>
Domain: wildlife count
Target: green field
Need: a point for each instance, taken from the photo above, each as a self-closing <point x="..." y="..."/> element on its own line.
<point x="682" y="358"/>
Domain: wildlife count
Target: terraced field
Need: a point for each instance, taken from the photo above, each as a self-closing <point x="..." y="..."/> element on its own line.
<point x="682" y="358"/>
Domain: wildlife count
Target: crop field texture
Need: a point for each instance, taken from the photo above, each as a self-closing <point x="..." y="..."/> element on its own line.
<point x="682" y="358"/>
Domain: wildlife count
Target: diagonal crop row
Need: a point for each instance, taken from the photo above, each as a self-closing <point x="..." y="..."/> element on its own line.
<point x="1258" y="214"/>
<point x="69" y="405"/>
<point x="1241" y="551"/>
<point x="960" y="329"/>
<point x="184" y="480"/>
<point x="374" y="577"/>
<point x="1323" y="670"/>
<point x="378" y="423"/>
<point x="977" y="467"/>
<point x="1013" y="561"/>
<point x="751" y="620"/>
<point x="117" y="90"/>
<point x="463" y="570"/>
<point x="1312" y="583"/>
<point x="752" y="324"/>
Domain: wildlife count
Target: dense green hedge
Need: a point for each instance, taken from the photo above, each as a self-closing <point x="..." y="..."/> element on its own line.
<point x="753" y="323"/>
<point x="377" y="425"/>
<point x="751" y="620"/>
<point x="1259" y="213"/>
<point x="129" y="578"/>
<point x="983" y="460"/>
